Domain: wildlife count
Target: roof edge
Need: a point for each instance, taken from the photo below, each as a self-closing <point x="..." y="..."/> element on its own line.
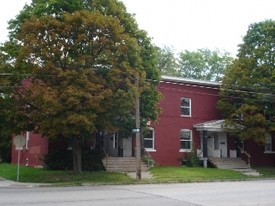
<point x="165" y="78"/>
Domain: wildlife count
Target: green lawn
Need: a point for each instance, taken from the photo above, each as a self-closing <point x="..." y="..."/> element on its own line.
<point x="267" y="172"/>
<point x="28" y="174"/>
<point x="191" y="174"/>
<point x="160" y="174"/>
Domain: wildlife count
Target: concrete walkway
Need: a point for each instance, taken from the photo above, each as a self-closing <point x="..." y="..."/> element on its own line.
<point x="9" y="183"/>
<point x="144" y="175"/>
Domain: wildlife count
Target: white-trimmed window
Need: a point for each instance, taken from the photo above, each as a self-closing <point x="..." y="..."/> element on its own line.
<point x="149" y="139"/>
<point x="185" y="107"/>
<point x="268" y="143"/>
<point x="27" y="139"/>
<point x="114" y="140"/>
<point x="185" y="140"/>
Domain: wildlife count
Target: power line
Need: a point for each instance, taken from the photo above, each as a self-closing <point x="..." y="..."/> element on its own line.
<point x="213" y="88"/>
<point x="16" y="74"/>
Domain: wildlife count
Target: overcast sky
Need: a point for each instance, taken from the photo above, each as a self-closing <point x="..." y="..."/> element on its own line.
<point x="182" y="24"/>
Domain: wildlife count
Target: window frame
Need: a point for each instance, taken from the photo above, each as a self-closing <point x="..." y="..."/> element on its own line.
<point x="185" y="107"/>
<point x="27" y="144"/>
<point x="182" y="140"/>
<point x="268" y="144"/>
<point x="145" y="138"/>
<point x="114" y="140"/>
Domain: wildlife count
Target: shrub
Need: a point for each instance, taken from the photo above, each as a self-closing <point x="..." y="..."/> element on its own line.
<point x="92" y="160"/>
<point x="5" y="149"/>
<point x="192" y="160"/>
<point x="60" y="160"/>
<point x="63" y="160"/>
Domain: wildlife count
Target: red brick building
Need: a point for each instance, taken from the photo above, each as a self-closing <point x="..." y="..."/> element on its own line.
<point x="185" y="103"/>
<point x="33" y="151"/>
<point x="189" y="122"/>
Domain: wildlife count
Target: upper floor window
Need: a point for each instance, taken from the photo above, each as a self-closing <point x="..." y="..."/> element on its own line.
<point x="185" y="107"/>
<point x="185" y="140"/>
<point x="149" y="139"/>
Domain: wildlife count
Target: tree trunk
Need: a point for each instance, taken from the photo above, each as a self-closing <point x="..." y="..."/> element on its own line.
<point x="77" y="163"/>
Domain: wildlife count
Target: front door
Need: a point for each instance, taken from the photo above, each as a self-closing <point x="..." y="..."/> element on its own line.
<point x="210" y="146"/>
<point x="223" y="144"/>
<point x="217" y="144"/>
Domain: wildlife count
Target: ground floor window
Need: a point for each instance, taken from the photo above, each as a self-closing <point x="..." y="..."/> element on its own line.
<point x="27" y="140"/>
<point x="115" y="140"/>
<point x="268" y="143"/>
<point x="149" y="139"/>
<point x="185" y="140"/>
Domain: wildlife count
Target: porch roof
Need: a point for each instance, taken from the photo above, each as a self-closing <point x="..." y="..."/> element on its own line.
<point x="213" y="125"/>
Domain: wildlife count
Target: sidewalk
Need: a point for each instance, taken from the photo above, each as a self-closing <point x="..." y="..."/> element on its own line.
<point x="144" y="175"/>
<point x="9" y="183"/>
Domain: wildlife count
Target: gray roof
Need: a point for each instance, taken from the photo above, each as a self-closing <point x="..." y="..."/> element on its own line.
<point x="190" y="81"/>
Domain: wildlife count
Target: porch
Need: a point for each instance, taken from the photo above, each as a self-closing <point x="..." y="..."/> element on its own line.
<point x="215" y="148"/>
<point x="120" y="154"/>
<point x="215" y="143"/>
<point x="213" y="140"/>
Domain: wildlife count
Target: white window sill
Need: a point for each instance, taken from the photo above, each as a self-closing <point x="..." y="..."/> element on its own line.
<point x="185" y="115"/>
<point x="185" y="150"/>
<point x="150" y="150"/>
<point x="269" y="152"/>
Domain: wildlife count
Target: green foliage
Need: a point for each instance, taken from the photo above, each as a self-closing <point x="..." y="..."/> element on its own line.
<point x="167" y="61"/>
<point x="247" y="99"/>
<point x="81" y="60"/>
<point x="62" y="160"/>
<point x="204" y="64"/>
<point x="5" y="149"/>
<point x="191" y="160"/>
<point x="92" y="160"/>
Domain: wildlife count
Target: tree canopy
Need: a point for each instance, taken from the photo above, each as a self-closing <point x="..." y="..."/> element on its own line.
<point x="167" y="61"/>
<point x="81" y="60"/>
<point x="202" y="64"/>
<point x="247" y="93"/>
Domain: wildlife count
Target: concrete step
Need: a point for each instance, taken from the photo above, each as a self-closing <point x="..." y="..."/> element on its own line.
<point x="248" y="172"/>
<point x="122" y="164"/>
<point x="229" y="162"/>
<point x="236" y="164"/>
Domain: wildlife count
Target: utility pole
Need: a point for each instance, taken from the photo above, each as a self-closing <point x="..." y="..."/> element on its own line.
<point x="138" y="146"/>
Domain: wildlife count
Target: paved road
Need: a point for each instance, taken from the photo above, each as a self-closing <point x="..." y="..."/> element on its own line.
<point x="247" y="193"/>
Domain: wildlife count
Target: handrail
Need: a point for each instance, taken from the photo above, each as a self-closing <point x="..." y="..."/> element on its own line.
<point x="246" y="153"/>
<point x="106" y="157"/>
<point x="212" y="150"/>
<point x="199" y="153"/>
<point x="149" y="158"/>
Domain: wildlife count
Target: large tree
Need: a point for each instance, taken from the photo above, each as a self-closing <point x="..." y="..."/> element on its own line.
<point x="248" y="90"/>
<point x="81" y="60"/>
<point x="167" y="61"/>
<point x="204" y="64"/>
